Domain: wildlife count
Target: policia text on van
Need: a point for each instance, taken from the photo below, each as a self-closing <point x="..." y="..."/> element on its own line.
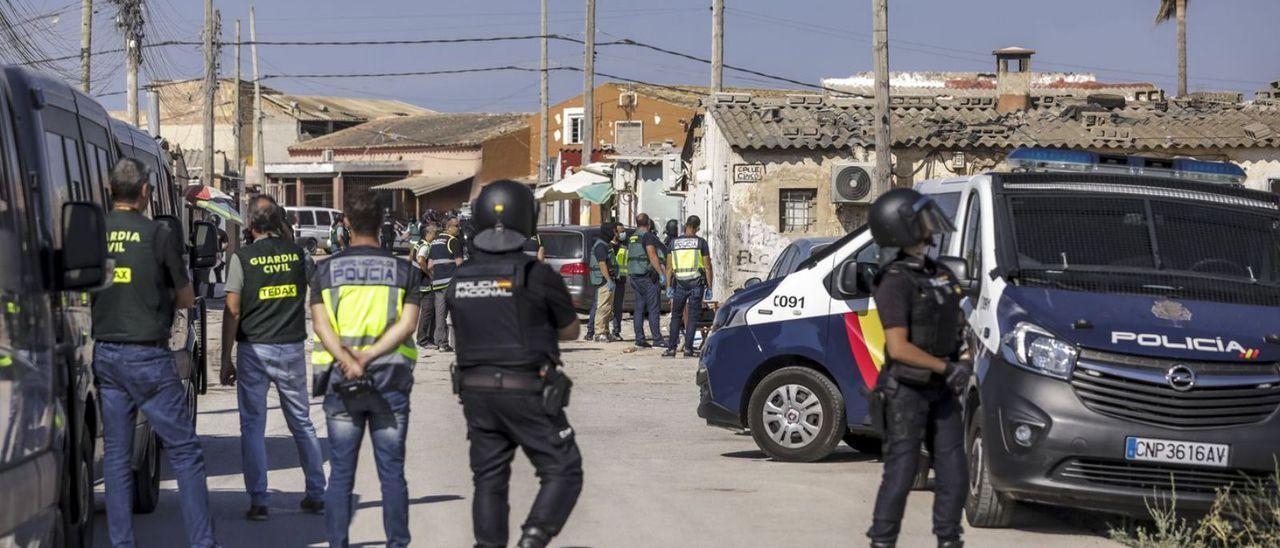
<point x="1088" y="275"/>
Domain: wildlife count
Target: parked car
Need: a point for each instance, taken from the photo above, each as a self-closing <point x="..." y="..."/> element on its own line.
<point x="57" y="147"/>
<point x="1121" y="315"/>
<point x="566" y="250"/>
<point x="311" y="226"/>
<point x="792" y="257"/>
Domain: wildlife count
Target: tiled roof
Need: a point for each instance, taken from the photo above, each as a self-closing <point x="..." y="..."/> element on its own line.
<point x="454" y="129"/>
<point x="823" y="122"/>
<point x="956" y="84"/>
<point x="315" y="108"/>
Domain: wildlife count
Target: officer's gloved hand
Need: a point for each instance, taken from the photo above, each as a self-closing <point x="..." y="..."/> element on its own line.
<point x="957" y="375"/>
<point x="671" y="292"/>
<point x="612" y="285"/>
<point x="706" y="295"/>
<point x="662" y="279"/>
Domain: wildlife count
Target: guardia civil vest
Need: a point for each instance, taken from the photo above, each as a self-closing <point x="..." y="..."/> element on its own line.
<point x="442" y="265"/>
<point x="363" y="290"/>
<point x="273" y="300"/>
<point x="593" y="265"/>
<point x="490" y="304"/>
<point x="138" y="307"/>
<point x="637" y="256"/>
<point x="686" y="258"/>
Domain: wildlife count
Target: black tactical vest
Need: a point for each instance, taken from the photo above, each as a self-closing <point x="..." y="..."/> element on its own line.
<point x="441" y="259"/>
<point x="273" y="301"/>
<point x="138" y="307"/>
<point x="492" y="311"/>
<point x="936" y="317"/>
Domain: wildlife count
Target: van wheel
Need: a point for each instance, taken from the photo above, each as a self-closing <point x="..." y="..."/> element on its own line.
<point x="309" y="244"/>
<point x="984" y="507"/>
<point x="146" y="480"/>
<point x="796" y="415"/>
<point x="200" y="352"/>
<point x="77" y="495"/>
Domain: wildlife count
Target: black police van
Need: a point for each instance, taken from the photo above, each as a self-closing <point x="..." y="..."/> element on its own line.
<point x="56" y="148"/>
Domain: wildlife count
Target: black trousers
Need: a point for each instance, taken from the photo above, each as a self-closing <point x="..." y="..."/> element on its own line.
<point x="426" y="321"/>
<point x="497" y="423"/>
<point x="619" y="298"/>
<point x="930" y="414"/>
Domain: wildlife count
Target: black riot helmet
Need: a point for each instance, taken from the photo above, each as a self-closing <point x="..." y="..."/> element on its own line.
<point x="504" y="216"/>
<point x="903" y="217"/>
<point x="673" y="228"/>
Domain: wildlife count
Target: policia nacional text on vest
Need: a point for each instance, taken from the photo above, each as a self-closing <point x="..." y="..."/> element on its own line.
<point x="273" y="305"/>
<point x="686" y="258"/>
<point x="373" y="286"/>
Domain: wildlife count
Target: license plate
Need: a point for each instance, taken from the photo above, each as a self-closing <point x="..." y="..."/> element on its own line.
<point x="1177" y="452"/>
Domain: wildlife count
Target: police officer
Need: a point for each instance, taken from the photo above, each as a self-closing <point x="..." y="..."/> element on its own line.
<point x="387" y="232"/>
<point x="364" y="306"/>
<point x="266" y="314"/>
<point x="134" y="367"/>
<point x="691" y="278"/>
<point x="919" y="306"/>
<point x="445" y="256"/>
<point x="647" y="275"/>
<point x="620" y="291"/>
<point x="508" y="376"/>
<point x="427" y="312"/>
<point x="602" y="273"/>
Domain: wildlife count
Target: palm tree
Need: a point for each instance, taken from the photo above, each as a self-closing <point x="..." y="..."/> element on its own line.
<point x="1177" y="9"/>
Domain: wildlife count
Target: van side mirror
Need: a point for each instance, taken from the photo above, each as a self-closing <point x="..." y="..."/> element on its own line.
<point x="750" y="282"/>
<point x="83" y="259"/>
<point x="204" y="244"/>
<point x="960" y="268"/>
<point x="855" y="279"/>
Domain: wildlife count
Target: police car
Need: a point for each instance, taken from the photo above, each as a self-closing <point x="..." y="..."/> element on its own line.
<point x="1124" y="320"/>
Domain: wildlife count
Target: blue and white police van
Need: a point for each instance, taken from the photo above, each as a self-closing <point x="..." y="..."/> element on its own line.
<point x="1124" y="321"/>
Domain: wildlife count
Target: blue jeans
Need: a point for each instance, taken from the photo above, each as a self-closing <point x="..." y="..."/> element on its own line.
<point x="386" y="415"/>
<point x="690" y="295"/>
<point x="285" y="366"/>
<point x="647" y="304"/>
<point x="134" y="378"/>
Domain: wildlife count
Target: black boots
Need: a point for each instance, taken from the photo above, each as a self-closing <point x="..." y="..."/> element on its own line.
<point x="953" y="543"/>
<point x="534" y="537"/>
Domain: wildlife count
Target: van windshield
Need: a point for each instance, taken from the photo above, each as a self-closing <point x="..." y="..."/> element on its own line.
<point x="1147" y="245"/>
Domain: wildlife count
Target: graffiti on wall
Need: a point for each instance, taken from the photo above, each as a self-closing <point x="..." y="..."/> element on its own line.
<point x="756" y="244"/>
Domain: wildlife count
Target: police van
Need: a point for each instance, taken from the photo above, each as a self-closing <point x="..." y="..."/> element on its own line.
<point x="56" y="149"/>
<point x="1123" y="317"/>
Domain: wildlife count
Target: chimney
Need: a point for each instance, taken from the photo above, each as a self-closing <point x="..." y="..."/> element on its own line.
<point x="1013" y="79"/>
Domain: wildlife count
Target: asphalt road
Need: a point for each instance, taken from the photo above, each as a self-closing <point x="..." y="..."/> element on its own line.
<point x="656" y="475"/>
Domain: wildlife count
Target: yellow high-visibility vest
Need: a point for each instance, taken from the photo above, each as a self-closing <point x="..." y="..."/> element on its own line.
<point x="686" y="257"/>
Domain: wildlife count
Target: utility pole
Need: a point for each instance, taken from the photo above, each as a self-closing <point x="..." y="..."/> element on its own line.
<point x="129" y="20"/>
<point x="717" y="45"/>
<point x="880" y="41"/>
<point x="589" y="85"/>
<point x="86" y="42"/>
<point x="259" y="154"/>
<point x="210" y="89"/>
<point x="235" y="124"/>
<point x="543" y="99"/>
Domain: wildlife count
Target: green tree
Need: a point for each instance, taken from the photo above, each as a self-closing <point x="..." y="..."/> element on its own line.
<point x="1177" y="10"/>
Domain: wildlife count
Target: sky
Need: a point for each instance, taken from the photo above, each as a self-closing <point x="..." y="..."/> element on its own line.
<point x="1232" y="43"/>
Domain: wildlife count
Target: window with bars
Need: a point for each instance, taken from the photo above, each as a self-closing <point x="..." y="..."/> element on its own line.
<point x="795" y="207"/>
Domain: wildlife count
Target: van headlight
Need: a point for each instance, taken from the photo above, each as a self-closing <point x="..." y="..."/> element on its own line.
<point x="1035" y="349"/>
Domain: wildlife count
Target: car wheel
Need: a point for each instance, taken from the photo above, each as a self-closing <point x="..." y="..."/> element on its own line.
<point x="309" y="244"/>
<point x="864" y="443"/>
<point x="984" y="507"/>
<point x="146" y="479"/>
<point x="77" y="495"/>
<point x="796" y="415"/>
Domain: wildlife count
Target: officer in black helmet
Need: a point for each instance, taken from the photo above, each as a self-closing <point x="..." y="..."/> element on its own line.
<point x="916" y="397"/>
<point x="509" y="312"/>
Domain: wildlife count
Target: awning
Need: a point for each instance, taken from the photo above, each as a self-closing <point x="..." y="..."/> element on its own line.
<point x="424" y="184"/>
<point x="569" y="188"/>
<point x="597" y="193"/>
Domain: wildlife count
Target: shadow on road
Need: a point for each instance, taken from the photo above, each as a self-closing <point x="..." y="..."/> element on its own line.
<point x="430" y="499"/>
<point x="838" y="456"/>
<point x="222" y="455"/>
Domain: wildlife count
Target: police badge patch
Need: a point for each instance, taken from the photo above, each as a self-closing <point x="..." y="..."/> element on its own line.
<point x="1173" y="311"/>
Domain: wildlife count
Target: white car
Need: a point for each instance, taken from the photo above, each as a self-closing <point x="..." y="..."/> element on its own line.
<point x="311" y="226"/>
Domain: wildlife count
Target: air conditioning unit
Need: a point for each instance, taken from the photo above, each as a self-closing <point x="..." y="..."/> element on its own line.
<point x="627" y="99"/>
<point x="853" y="183"/>
<point x="326" y="155"/>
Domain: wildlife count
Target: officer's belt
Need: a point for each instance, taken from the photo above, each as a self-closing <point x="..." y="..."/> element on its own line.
<point x="490" y="379"/>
